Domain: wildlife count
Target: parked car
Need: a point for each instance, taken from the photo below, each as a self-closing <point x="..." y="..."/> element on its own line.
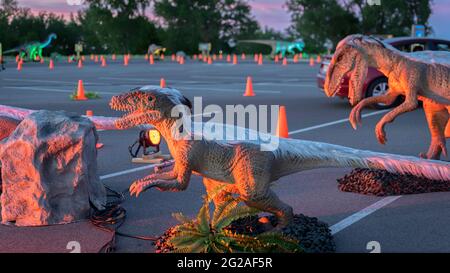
<point x="376" y="82"/>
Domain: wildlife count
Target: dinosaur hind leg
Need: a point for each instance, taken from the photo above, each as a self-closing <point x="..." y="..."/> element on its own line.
<point x="269" y="202"/>
<point x="221" y="191"/>
<point x="253" y="176"/>
<point x="438" y="119"/>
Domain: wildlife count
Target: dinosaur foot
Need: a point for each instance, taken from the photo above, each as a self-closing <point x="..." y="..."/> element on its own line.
<point x="437" y="147"/>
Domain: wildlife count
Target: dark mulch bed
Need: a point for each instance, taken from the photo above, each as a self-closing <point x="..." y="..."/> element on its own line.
<point x="383" y="183"/>
<point x="314" y="236"/>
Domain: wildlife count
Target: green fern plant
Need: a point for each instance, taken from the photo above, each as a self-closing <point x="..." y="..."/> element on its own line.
<point x="89" y="95"/>
<point x="208" y="234"/>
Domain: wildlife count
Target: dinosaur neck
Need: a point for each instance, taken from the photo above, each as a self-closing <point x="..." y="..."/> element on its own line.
<point x="165" y="127"/>
<point x="46" y="43"/>
<point x="383" y="59"/>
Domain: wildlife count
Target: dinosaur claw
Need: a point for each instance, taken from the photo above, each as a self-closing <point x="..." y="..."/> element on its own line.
<point x="381" y="135"/>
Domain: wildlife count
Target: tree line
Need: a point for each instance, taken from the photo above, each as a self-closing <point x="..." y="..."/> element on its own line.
<point x="119" y="26"/>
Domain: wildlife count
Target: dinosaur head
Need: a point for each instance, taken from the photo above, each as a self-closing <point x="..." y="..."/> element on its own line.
<point x="147" y="105"/>
<point x="350" y="60"/>
<point x="52" y="36"/>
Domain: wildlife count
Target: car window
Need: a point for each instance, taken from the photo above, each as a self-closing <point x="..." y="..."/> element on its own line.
<point x="442" y="47"/>
<point x="414" y="47"/>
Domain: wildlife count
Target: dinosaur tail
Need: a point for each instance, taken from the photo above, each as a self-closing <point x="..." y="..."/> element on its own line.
<point x="11" y="51"/>
<point x="296" y="155"/>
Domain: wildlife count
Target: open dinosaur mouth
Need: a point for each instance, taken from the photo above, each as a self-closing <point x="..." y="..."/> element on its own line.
<point x="135" y="115"/>
<point x="336" y="87"/>
<point x="136" y="118"/>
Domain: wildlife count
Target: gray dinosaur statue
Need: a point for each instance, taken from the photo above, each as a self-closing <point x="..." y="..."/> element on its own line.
<point x="408" y="75"/>
<point x="242" y="167"/>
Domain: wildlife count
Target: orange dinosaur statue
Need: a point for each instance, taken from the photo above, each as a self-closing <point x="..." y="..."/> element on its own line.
<point x="409" y="75"/>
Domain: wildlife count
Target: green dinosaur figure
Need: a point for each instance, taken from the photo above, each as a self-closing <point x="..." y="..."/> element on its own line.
<point x="33" y="50"/>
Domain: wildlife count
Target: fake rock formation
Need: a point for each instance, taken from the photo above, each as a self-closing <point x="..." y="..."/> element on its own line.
<point x="49" y="170"/>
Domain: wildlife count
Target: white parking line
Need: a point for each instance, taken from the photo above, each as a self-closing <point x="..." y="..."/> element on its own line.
<point x="225" y="90"/>
<point x="44" y="81"/>
<point x="334" y="122"/>
<point x="284" y="84"/>
<point x="147" y="80"/>
<point x="111" y="175"/>
<point x="52" y="90"/>
<point x="362" y="214"/>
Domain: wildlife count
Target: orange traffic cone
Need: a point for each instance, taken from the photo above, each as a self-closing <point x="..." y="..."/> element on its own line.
<point x="103" y="62"/>
<point x="260" y="59"/>
<point x="300" y="55"/>
<point x="51" y="66"/>
<point x="256" y="58"/>
<point x="146" y="57"/>
<point x="17" y="58"/>
<point x="162" y="83"/>
<point x="276" y="58"/>
<point x="114" y="57"/>
<point x="96" y="59"/>
<point x="125" y="60"/>
<point x="282" y="127"/>
<point x="194" y="57"/>
<point x="214" y="57"/>
<point x="220" y="56"/>
<point x="249" y="88"/>
<point x="69" y="59"/>
<point x="89" y="113"/>
<point x="319" y="59"/>
<point x="311" y="61"/>
<point x="92" y="57"/>
<point x="42" y="61"/>
<point x="243" y="57"/>
<point x="173" y="57"/>
<point x="235" y="60"/>
<point x="181" y="60"/>
<point x="296" y="58"/>
<point x="80" y="64"/>
<point x="228" y="58"/>
<point x="162" y="56"/>
<point x="152" y="59"/>
<point x="19" y="65"/>
<point x="209" y="60"/>
<point x="80" y="91"/>
<point x="284" y="61"/>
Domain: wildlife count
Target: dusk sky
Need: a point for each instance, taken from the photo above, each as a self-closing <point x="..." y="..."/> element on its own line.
<point x="269" y="12"/>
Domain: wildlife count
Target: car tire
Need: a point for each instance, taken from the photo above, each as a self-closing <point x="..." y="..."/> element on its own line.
<point x="379" y="87"/>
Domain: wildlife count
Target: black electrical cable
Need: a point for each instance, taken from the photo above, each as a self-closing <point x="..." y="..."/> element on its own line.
<point x="112" y="217"/>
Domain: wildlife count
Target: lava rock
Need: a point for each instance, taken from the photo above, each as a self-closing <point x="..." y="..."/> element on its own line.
<point x="384" y="183"/>
<point x="313" y="235"/>
<point x="49" y="170"/>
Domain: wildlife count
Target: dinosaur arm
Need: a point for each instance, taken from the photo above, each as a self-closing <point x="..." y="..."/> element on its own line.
<point x="176" y="179"/>
<point x="408" y="105"/>
<point x="169" y="181"/>
<point x="355" y="115"/>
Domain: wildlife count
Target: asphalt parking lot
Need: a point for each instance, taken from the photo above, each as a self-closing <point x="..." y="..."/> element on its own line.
<point x="413" y="223"/>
